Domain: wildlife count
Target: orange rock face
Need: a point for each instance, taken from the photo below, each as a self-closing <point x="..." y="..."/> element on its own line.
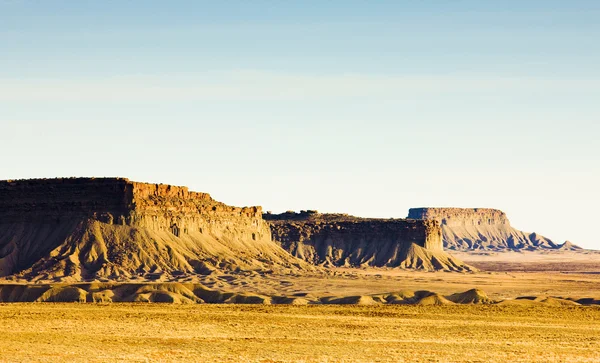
<point x="75" y="229"/>
<point x="123" y="202"/>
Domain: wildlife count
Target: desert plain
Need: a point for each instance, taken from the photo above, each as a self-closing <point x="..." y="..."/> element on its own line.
<point x="533" y="323"/>
<point x="286" y="333"/>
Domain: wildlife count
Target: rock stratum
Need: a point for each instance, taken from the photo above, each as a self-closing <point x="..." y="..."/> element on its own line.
<point x="468" y="229"/>
<point x="114" y="229"/>
<point x="343" y="240"/>
<point x="78" y="229"/>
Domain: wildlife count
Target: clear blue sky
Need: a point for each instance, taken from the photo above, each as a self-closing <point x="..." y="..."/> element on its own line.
<point x="365" y="107"/>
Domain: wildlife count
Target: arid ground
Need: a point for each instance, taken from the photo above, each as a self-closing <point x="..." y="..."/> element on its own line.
<point x="334" y="333"/>
<point x="569" y="279"/>
<point x="503" y="276"/>
<point x="518" y="330"/>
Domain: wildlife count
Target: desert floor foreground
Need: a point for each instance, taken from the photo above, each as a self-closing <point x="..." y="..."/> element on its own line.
<point x="508" y="276"/>
<point x="244" y="333"/>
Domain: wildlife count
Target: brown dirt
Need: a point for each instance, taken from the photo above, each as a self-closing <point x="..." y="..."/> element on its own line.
<point x="325" y="333"/>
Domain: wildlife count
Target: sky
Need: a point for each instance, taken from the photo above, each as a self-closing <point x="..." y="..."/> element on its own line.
<point x="362" y="107"/>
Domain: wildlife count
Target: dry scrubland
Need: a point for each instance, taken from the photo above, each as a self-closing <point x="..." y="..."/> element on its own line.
<point x="240" y="333"/>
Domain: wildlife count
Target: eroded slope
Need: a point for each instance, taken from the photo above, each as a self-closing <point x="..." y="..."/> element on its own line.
<point x="343" y="240"/>
<point x="466" y="229"/>
<point x="79" y="229"/>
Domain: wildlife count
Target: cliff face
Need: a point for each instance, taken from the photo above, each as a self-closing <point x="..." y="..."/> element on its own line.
<point x="454" y="217"/>
<point x="481" y="229"/>
<point x="49" y="200"/>
<point x="113" y="228"/>
<point x="342" y="240"/>
<point x="158" y="207"/>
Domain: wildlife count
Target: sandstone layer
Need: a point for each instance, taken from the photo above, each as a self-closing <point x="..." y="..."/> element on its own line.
<point x="466" y="229"/>
<point x="93" y="228"/>
<point x="343" y="240"/>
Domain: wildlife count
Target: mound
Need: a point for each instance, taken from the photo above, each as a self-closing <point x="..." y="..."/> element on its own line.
<point x="63" y="294"/>
<point x="286" y="300"/>
<point x="173" y="293"/>
<point x="588" y="301"/>
<point x="82" y="229"/>
<point x="343" y="240"/>
<point x="105" y="296"/>
<point x="195" y="293"/>
<point x="164" y="297"/>
<point x="350" y="300"/>
<point x="417" y="257"/>
<point x="473" y="296"/>
<point x="166" y="292"/>
<point x="569" y="246"/>
<point x="422" y="297"/>
<point x="248" y="299"/>
<point x="400" y="298"/>
<point x="519" y="302"/>
<point x="429" y="298"/>
<point x="549" y="300"/>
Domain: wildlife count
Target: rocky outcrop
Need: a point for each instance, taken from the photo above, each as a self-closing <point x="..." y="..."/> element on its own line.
<point x="458" y="217"/>
<point x="569" y="246"/>
<point x="343" y="240"/>
<point x="467" y="229"/>
<point x="87" y="228"/>
<point x="119" y="201"/>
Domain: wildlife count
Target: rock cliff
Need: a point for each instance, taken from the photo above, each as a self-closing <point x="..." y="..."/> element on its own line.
<point x="84" y="228"/>
<point x="343" y="240"/>
<point x="468" y="229"/>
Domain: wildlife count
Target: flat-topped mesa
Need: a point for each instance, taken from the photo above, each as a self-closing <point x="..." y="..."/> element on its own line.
<point x="83" y="228"/>
<point x="49" y="199"/>
<point x="461" y="216"/>
<point x="424" y="233"/>
<point x="481" y="229"/>
<point x="159" y="206"/>
<point x="344" y="240"/>
<point x="292" y="215"/>
<point x="119" y="201"/>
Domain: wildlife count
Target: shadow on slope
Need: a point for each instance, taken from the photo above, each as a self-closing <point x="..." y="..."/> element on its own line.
<point x="194" y="293"/>
<point x="72" y="251"/>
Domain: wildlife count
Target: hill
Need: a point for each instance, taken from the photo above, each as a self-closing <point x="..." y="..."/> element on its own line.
<point x="343" y="240"/>
<point x="467" y="229"/>
<point x="111" y="228"/>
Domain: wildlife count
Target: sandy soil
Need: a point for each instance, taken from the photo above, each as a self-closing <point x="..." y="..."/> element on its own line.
<point x="242" y="333"/>
<point x="566" y="274"/>
<point x="524" y="330"/>
<point x="569" y="275"/>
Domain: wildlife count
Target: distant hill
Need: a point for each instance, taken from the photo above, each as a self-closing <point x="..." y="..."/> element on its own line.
<point x="344" y="240"/>
<point x="467" y="229"/>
